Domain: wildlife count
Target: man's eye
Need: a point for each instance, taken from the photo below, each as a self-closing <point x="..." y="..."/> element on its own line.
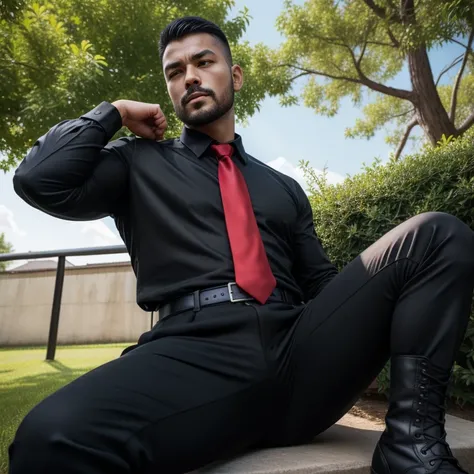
<point x="205" y="62"/>
<point x="173" y="74"/>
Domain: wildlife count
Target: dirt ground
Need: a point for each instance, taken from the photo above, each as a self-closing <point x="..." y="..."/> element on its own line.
<point x="374" y="408"/>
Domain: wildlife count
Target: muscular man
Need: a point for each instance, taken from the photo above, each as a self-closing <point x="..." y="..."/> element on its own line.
<point x="260" y="342"/>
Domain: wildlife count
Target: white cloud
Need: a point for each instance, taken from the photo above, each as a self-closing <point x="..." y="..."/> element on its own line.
<point x="98" y="234"/>
<point x="284" y="166"/>
<point x="8" y="223"/>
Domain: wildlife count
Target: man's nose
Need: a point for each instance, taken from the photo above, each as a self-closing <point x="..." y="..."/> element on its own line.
<point x="192" y="77"/>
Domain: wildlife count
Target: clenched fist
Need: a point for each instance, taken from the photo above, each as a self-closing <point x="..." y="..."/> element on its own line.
<point x="144" y="120"/>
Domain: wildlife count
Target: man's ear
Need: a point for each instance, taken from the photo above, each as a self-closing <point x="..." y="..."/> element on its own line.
<point x="237" y="77"/>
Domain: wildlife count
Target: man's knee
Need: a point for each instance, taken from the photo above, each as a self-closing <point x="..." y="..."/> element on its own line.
<point x="36" y="429"/>
<point x="43" y="434"/>
<point x="445" y="223"/>
<point x="449" y="230"/>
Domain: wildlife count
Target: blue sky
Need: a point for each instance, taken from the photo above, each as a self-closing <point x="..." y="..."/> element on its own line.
<point x="280" y="136"/>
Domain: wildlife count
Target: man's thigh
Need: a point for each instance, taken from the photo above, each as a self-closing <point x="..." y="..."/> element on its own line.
<point x="342" y="337"/>
<point x="342" y="341"/>
<point x="392" y="298"/>
<point x="170" y="405"/>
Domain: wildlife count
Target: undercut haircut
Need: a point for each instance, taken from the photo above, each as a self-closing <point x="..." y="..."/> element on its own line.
<point x="191" y="25"/>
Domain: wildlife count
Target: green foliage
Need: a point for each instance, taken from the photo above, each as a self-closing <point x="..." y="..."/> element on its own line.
<point x="350" y="216"/>
<point x="5" y="247"/>
<point x="60" y="58"/>
<point x="354" y="49"/>
<point x="445" y="140"/>
<point x="377" y="114"/>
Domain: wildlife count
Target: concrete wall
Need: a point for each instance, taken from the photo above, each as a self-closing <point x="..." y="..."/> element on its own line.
<point x="98" y="305"/>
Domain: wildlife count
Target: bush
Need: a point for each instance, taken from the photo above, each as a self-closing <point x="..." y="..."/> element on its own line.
<point x="350" y="216"/>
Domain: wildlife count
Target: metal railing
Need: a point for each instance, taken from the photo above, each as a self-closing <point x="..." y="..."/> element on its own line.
<point x="58" y="287"/>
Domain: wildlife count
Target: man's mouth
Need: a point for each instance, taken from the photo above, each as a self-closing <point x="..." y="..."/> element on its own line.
<point x="196" y="95"/>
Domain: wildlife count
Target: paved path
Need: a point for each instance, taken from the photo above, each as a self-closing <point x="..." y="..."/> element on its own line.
<point x="345" y="448"/>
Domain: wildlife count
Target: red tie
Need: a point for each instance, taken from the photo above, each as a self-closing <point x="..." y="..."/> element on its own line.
<point x="252" y="270"/>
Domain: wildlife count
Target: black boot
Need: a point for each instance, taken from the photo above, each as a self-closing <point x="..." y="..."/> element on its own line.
<point x="414" y="441"/>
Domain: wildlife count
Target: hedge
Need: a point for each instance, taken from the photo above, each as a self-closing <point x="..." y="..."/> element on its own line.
<point x="350" y="216"/>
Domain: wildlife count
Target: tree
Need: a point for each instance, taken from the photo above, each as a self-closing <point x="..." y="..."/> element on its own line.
<point x="60" y="58"/>
<point x="346" y="48"/>
<point x="5" y="247"/>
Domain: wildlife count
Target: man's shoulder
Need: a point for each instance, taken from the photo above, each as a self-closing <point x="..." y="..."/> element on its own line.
<point x="282" y="177"/>
<point x="168" y="143"/>
<point x="123" y="146"/>
<point x="132" y="147"/>
<point x="139" y="143"/>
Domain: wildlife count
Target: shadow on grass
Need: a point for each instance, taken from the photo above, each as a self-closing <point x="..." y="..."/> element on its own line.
<point x="20" y="395"/>
<point x="31" y="385"/>
<point x="60" y="367"/>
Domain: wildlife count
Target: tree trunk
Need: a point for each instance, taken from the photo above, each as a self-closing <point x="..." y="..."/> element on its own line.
<point x="429" y="111"/>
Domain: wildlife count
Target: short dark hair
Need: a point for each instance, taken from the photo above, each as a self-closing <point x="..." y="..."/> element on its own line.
<point x="190" y="25"/>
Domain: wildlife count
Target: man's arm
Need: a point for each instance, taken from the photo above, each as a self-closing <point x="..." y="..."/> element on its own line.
<point x="312" y="268"/>
<point x="72" y="172"/>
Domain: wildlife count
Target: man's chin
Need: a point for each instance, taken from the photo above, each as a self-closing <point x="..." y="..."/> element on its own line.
<point x="199" y="118"/>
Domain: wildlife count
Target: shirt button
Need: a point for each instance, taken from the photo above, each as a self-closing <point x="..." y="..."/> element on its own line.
<point x="97" y="113"/>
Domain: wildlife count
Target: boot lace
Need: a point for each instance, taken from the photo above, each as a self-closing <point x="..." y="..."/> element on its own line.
<point x="430" y="421"/>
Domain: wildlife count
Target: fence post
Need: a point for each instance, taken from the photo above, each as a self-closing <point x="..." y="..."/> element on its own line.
<point x="54" y="324"/>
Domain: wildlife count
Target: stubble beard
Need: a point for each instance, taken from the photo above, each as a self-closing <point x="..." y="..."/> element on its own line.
<point x="197" y="118"/>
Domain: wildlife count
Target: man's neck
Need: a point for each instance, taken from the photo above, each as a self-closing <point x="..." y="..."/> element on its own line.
<point x="222" y="130"/>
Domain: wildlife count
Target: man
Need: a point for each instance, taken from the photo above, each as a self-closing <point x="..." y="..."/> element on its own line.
<point x="260" y="342"/>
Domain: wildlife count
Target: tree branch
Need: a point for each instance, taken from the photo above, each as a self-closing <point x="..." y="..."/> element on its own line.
<point x="376" y="86"/>
<point x="401" y="114"/>
<point x="379" y="11"/>
<point x="457" y="42"/>
<point x="361" y="55"/>
<point x="448" y="68"/>
<point x="394" y="40"/>
<point x="413" y="123"/>
<point x="327" y="39"/>
<point x="381" y="43"/>
<point x="363" y="80"/>
<point x="407" y="11"/>
<point x="454" y="94"/>
<point x="12" y="62"/>
<point x="319" y="73"/>
<point x="338" y="42"/>
<point x="301" y="74"/>
<point x="366" y="42"/>
<point x="467" y="124"/>
<point x="387" y="90"/>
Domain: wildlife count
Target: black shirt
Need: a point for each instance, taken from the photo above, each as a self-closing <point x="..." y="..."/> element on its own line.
<point x="165" y="200"/>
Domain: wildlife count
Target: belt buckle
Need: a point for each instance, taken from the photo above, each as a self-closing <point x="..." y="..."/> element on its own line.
<point x="231" y="295"/>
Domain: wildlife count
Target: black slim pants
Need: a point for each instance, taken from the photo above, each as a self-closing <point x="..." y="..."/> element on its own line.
<point x="209" y="384"/>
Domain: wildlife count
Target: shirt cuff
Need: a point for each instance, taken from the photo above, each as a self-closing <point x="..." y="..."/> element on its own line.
<point x="106" y="115"/>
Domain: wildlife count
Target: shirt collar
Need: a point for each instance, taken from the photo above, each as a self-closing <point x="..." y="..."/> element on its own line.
<point x="199" y="143"/>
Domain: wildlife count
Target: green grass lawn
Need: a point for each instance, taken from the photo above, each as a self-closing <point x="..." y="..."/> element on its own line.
<point x="26" y="378"/>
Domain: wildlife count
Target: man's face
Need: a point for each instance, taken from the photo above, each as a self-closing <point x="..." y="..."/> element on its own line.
<point x="200" y="81"/>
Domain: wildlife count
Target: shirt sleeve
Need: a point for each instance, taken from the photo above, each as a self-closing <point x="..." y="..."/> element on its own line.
<point x="312" y="268"/>
<point x="72" y="172"/>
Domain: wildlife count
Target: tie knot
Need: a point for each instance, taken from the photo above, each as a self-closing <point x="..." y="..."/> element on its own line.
<point x="222" y="150"/>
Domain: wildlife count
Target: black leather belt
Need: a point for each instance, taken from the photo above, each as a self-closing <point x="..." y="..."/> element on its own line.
<point x="229" y="293"/>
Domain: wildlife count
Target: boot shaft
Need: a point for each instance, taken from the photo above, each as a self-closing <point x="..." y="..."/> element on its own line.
<point x="417" y="397"/>
<point x="414" y="441"/>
